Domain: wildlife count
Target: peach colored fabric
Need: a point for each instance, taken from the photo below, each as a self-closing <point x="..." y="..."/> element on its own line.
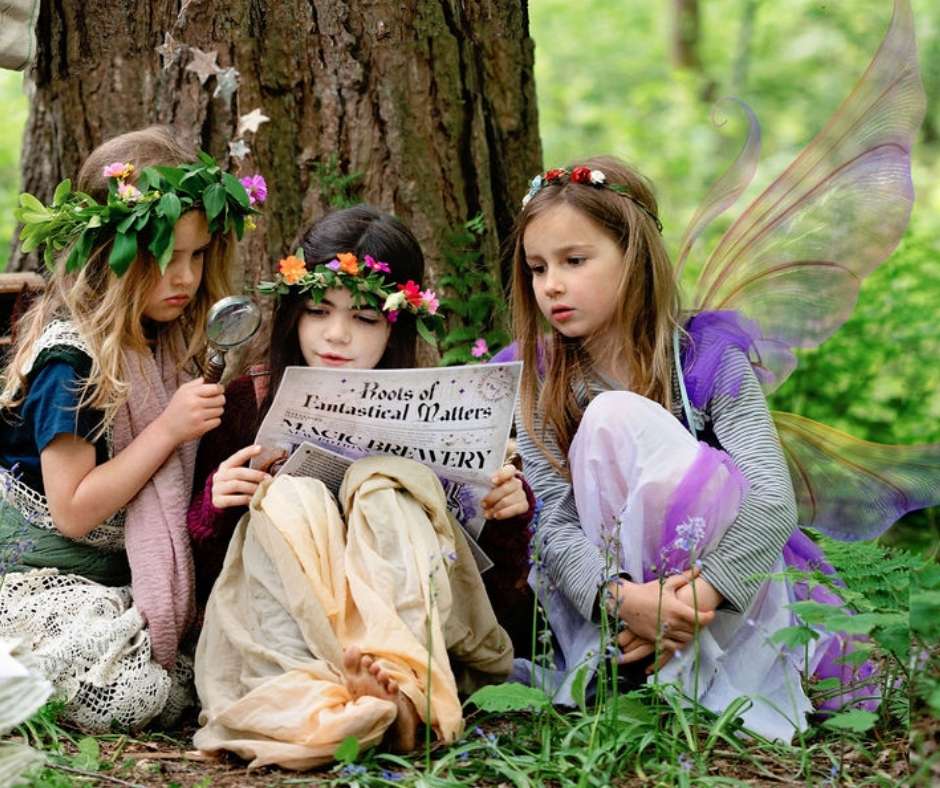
<point x="299" y="586"/>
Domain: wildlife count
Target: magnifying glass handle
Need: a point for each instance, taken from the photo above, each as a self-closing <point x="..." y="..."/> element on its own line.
<point x="215" y="366"/>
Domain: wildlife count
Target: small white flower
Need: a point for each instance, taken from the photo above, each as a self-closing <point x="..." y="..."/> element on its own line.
<point x="525" y="200"/>
<point x="394" y="301"/>
<point x="598" y="177"/>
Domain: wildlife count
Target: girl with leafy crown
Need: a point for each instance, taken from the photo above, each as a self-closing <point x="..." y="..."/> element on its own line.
<point x="669" y="489"/>
<point x="319" y="625"/>
<point x="102" y="407"/>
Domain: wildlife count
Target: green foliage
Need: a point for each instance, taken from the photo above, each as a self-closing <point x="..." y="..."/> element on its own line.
<point x="338" y="189"/>
<point x="348" y="750"/>
<point x="509" y="697"/>
<point x="13" y="110"/>
<point x="471" y="298"/>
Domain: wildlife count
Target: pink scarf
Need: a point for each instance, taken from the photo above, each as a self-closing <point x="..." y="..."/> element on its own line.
<point x="156" y="539"/>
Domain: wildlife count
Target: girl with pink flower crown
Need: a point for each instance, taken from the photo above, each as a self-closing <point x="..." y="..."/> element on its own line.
<point x="316" y="627"/>
<point x="102" y="405"/>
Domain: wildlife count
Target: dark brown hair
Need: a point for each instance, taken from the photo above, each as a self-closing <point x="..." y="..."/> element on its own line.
<point x="362" y="230"/>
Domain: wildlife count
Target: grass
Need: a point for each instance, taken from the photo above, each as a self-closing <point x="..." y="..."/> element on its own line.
<point x="646" y="736"/>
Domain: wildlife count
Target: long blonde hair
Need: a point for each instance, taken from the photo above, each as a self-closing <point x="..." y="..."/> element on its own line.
<point x="647" y="292"/>
<point x="107" y="310"/>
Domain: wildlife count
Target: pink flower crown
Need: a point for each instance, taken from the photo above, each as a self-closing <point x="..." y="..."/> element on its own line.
<point x="588" y="177"/>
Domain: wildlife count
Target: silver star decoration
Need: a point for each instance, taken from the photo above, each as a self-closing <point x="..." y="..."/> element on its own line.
<point x="251" y="121"/>
<point x="203" y="64"/>
<point x="226" y="83"/>
<point x="238" y="149"/>
<point x="169" y="50"/>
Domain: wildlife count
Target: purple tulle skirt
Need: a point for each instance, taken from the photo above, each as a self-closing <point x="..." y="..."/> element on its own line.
<point x="654" y="500"/>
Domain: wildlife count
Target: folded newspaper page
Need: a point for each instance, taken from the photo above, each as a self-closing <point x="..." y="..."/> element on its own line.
<point x="455" y="420"/>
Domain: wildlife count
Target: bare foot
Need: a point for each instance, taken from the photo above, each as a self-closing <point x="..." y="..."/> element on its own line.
<point x="364" y="676"/>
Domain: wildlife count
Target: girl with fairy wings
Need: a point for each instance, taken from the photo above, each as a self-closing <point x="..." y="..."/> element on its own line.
<point x="669" y="489"/>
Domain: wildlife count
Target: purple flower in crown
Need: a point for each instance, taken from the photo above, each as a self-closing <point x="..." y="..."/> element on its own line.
<point x="334" y="265"/>
<point x="256" y="187"/>
<point x="376" y="265"/>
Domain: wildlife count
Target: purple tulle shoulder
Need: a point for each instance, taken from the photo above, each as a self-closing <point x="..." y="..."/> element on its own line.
<point x="710" y="335"/>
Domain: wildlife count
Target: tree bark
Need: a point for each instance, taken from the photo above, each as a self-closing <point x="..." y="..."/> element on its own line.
<point x="433" y="101"/>
<point x="686" y="29"/>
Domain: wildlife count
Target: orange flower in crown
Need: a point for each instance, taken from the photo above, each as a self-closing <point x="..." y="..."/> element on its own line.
<point x="348" y="263"/>
<point x="292" y="269"/>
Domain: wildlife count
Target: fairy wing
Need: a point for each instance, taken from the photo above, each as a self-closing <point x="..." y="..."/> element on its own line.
<point x="852" y="489"/>
<point x="795" y="258"/>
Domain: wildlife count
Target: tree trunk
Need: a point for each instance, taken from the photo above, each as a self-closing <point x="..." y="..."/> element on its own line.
<point x="686" y="29"/>
<point x="433" y="101"/>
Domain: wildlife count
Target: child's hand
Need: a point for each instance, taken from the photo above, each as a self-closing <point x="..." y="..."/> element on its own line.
<point x="644" y="605"/>
<point x="233" y="484"/>
<point x="196" y="408"/>
<point x="507" y="498"/>
<point x="706" y="596"/>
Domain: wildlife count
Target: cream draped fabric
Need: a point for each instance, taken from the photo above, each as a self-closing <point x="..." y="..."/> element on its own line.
<point x="299" y="586"/>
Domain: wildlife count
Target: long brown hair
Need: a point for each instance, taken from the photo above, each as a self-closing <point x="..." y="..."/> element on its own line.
<point x="647" y="292"/>
<point x="108" y="310"/>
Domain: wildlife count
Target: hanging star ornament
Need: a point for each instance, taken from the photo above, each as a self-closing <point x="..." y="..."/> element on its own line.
<point x="169" y="50"/>
<point x="238" y="149"/>
<point x="203" y="64"/>
<point x="226" y="84"/>
<point x="251" y="122"/>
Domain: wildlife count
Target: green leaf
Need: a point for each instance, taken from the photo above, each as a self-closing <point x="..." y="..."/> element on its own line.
<point x="856" y="720"/>
<point x="81" y="250"/>
<point x="123" y="252"/>
<point x="509" y="697"/>
<point x="62" y="191"/>
<point x="214" y="200"/>
<point x="171" y="175"/>
<point x="234" y="187"/>
<point x="88" y="757"/>
<point x="170" y="207"/>
<point x="579" y="687"/>
<point x="425" y="333"/>
<point x="794" y="637"/>
<point x="161" y="242"/>
<point x="149" y="179"/>
<point x="348" y="750"/>
<point x="205" y="158"/>
<point x="32" y="204"/>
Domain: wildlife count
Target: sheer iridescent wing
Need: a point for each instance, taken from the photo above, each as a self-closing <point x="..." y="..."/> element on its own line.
<point x="793" y="261"/>
<point x="852" y="489"/>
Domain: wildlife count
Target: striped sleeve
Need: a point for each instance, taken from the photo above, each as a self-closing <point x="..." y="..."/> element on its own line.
<point x="745" y="429"/>
<point x="572" y="563"/>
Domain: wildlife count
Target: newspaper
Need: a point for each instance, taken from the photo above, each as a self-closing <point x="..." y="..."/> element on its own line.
<point x="455" y="420"/>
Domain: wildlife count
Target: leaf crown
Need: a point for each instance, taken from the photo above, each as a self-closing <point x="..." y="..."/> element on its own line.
<point x="367" y="283"/>
<point x="137" y="217"/>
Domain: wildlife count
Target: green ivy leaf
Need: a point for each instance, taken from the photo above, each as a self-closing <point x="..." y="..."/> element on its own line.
<point x="161" y="242"/>
<point x="123" y="252"/>
<point x="348" y="750"/>
<point x="32" y="204"/>
<point x="856" y="721"/>
<point x="509" y="697"/>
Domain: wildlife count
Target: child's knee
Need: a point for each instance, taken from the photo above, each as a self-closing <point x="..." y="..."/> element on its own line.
<point x="612" y="409"/>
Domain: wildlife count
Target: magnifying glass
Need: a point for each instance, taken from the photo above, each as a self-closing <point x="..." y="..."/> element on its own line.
<point x="231" y="323"/>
